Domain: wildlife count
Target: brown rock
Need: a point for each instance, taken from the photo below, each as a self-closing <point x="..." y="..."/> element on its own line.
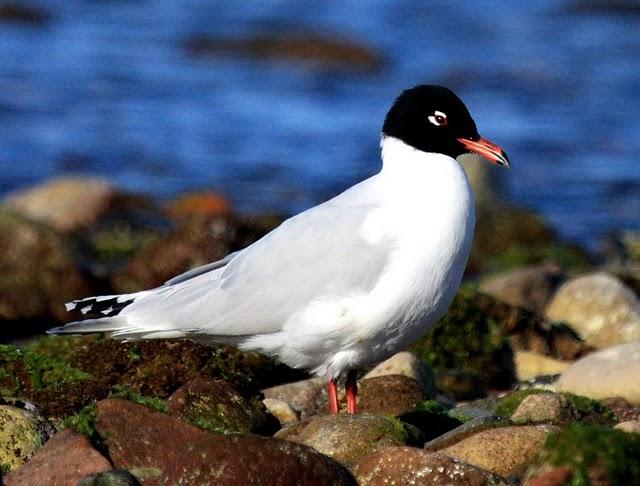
<point x="346" y="438"/>
<point x="218" y="407"/>
<point x="505" y="450"/>
<point x="200" y="203"/>
<point x="555" y="477"/>
<point x="38" y="272"/>
<point x="67" y="203"/>
<point x="409" y="465"/>
<point x="65" y="459"/>
<point x="602" y="310"/>
<point x="316" y="51"/>
<point x="390" y="395"/>
<point x="528" y="287"/>
<point x="544" y="407"/>
<point x="530" y="364"/>
<point x="407" y="364"/>
<point x="307" y="396"/>
<point x="196" y="241"/>
<point x="281" y="410"/>
<point x="138" y="438"/>
<point x="621" y="408"/>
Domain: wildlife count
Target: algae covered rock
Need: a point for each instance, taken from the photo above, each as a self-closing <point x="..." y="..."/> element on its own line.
<point x="468" y="339"/>
<point x="390" y="394"/>
<point x="545" y="407"/>
<point x="595" y="455"/>
<point x="216" y="406"/>
<point x="23" y="431"/>
<point x="347" y="438"/>
<point x="138" y="438"/>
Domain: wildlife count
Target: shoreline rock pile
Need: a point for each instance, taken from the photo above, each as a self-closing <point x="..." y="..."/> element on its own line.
<point x="530" y="378"/>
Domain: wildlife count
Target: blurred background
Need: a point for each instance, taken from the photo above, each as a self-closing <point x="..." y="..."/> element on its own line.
<point x="278" y="104"/>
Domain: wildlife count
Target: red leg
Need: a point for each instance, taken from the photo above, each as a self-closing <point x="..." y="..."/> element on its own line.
<point x="351" y="387"/>
<point x="333" y="396"/>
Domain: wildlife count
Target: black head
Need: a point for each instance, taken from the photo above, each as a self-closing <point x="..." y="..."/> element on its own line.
<point x="433" y="119"/>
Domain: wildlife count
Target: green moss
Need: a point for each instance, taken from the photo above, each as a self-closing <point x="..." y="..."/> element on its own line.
<point x="155" y="403"/>
<point x="431" y="406"/>
<point x="510" y="402"/>
<point x="26" y="369"/>
<point x="583" y="447"/>
<point x="568" y="257"/>
<point x="83" y="421"/>
<point x="467" y="339"/>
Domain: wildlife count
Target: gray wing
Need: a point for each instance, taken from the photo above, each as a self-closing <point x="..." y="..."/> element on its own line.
<point x="317" y="253"/>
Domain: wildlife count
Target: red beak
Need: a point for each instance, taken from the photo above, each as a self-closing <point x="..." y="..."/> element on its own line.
<point x="489" y="150"/>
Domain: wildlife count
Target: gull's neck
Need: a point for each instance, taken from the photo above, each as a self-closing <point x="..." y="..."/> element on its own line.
<point x="399" y="157"/>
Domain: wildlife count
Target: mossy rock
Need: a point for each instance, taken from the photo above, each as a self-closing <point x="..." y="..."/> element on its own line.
<point x="587" y="410"/>
<point x="22" y="434"/>
<point x="468" y="339"/>
<point x="64" y="374"/>
<point x="595" y="454"/>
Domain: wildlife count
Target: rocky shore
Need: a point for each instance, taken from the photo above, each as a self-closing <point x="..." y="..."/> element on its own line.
<point x="531" y="377"/>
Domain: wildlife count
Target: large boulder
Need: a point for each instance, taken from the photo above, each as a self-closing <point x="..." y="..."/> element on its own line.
<point x="610" y="372"/>
<point x="137" y="437"/>
<point x="602" y="310"/>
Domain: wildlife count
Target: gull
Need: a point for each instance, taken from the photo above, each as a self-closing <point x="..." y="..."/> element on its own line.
<point x="342" y="285"/>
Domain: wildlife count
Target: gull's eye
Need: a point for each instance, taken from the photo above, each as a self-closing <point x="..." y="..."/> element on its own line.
<point x="438" y="118"/>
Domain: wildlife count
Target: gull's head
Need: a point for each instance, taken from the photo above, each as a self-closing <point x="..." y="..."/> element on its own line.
<point x="433" y="119"/>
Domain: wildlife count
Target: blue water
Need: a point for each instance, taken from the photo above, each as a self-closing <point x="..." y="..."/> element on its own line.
<point x="107" y="88"/>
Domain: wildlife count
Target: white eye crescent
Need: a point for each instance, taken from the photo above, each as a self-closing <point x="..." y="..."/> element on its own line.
<point x="438" y="118"/>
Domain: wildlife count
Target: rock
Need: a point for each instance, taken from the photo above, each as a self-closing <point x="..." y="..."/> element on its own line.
<point x="281" y="410"/>
<point x="137" y="437"/>
<point x="599" y="308"/>
<point x="21" y="13"/>
<point x="65" y="459"/>
<point x="407" y="364"/>
<point x="555" y="477"/>
<point x="38" y="274"/>
<point x="309" y="397"/>
<point x="23" y="431"/>
<point x="622" y="409"/>
<point x="545" y="407"/>
<point x="409" y="465"/>
<point x="505" y="451"/>
<point x="216" y="406"/>
<point x="595" y="455"/>
<point x="115" y="477"/>
<point x="471" y="426"/>
<point x="389" y="395"/>
<point x="528" y="287"/>
<point x="196" y="241"/>
<point x="610" y="372"/>
<point x="199" y="203"/>
<point x="632" y="426"/>
<point x="66" y="203"/>
<point x="468" y="339"/>
<point x="580" y="407"/>
<point x="346" y="438"/>
<point x="316" y="51"/>
<point x="529" y="365"/>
